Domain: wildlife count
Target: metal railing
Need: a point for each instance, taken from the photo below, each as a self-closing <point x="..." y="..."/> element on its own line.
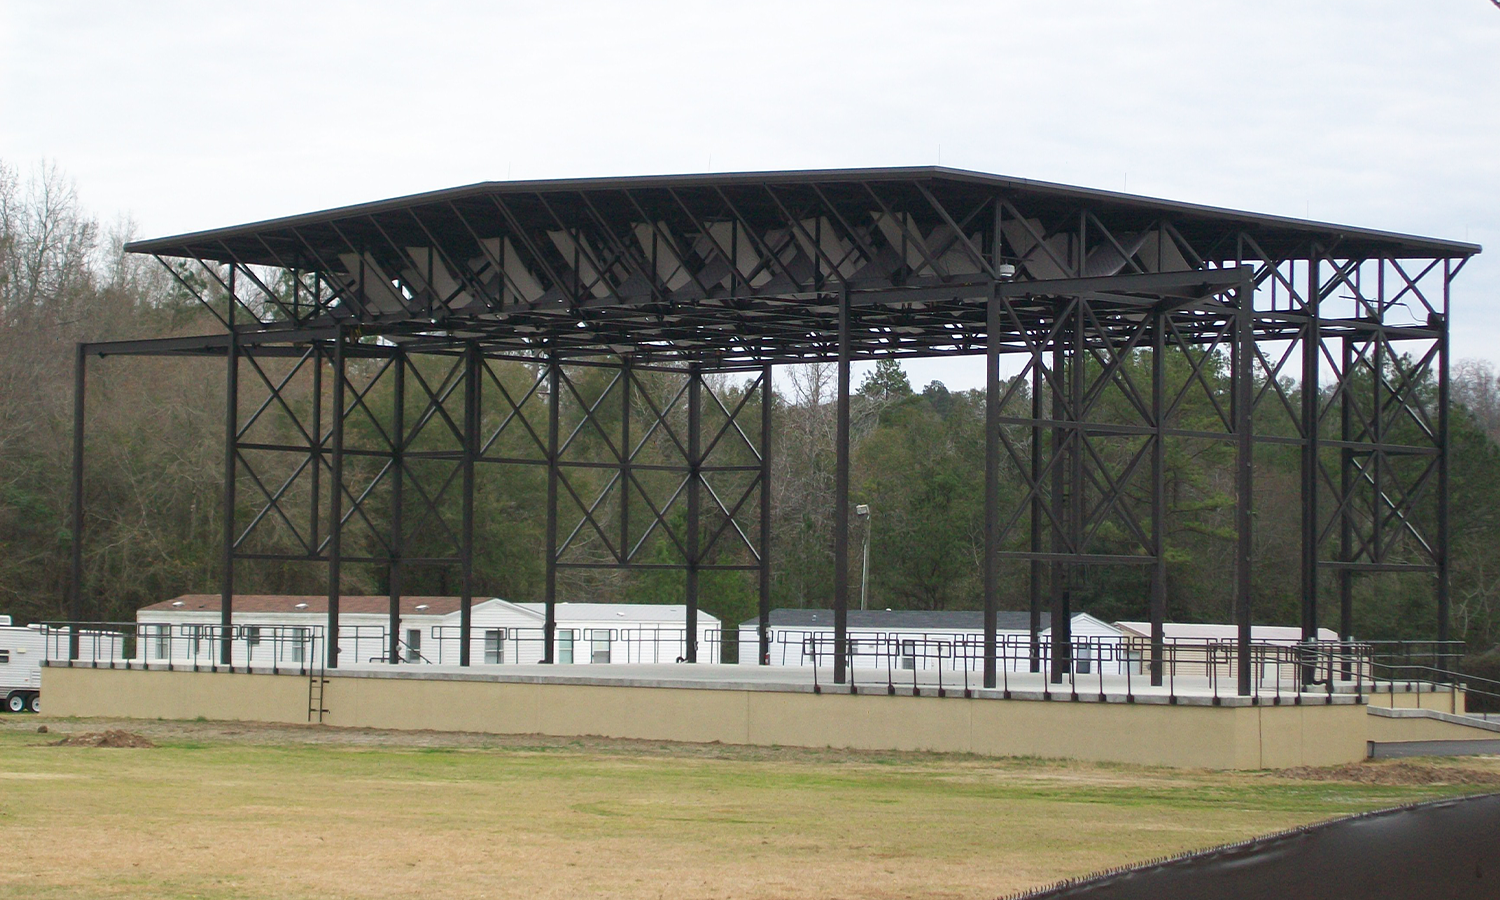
<point x="1095" y="665"/>
<point x="597" y="646"/>
<point x="190" y="647"/>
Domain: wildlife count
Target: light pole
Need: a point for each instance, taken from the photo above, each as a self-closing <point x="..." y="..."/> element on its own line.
<point x="863" y="511"/>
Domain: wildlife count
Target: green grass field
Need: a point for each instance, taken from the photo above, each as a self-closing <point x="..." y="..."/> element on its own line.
<point x="229" y="810"/>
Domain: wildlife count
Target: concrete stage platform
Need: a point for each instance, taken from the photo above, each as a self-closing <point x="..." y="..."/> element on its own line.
<point x="1192" y="721"/>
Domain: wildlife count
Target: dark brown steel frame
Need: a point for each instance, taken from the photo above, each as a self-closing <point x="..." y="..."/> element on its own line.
<point x="740" y="273"/>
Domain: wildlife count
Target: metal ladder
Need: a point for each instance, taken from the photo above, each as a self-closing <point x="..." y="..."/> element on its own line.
<point x="317" y="686"/>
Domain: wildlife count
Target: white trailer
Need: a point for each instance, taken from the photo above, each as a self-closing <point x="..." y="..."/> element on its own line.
<point x="21" y="654"/>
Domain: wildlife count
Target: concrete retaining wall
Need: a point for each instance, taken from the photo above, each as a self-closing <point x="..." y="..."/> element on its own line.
<point x="1239" y="737"/>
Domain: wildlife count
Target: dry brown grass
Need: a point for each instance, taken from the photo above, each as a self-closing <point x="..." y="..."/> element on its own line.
<point x="235" y="810"/>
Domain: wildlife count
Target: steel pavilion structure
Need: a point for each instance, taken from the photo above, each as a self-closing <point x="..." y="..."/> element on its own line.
<point x="1116" y="309"/>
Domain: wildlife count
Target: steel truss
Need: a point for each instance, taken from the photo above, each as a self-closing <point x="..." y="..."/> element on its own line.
<point x="1118" y="309"/>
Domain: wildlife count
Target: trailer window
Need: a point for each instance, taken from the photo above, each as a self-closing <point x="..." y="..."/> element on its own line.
<point x="599" y="645"/>
<point x="4" y="657"/>
<point x="414" y="645"/>
<point x="565" y="645"/>
<point x="494" y="646"/>
<point x="298" y="637"/>
<point x="163" y="641"/>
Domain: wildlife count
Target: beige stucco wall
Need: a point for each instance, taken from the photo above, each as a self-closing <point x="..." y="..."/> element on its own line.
<point x="1206" y="736"/>
<point x="140" y="694"/>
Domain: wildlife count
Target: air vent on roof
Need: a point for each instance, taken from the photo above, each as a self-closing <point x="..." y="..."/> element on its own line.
<point x="176" y="602"/>
<point x="301" y="606"/>
<point x="422" y="606"/>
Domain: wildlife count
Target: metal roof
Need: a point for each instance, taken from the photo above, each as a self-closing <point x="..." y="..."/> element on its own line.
<point x="310" y="604"/>
<point x="897" y="619"/>
<point x="748" y="268"/>
<point x="247" y="235"/>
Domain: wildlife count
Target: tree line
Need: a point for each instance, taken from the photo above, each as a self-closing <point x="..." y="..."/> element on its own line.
<point x="155" y="457"/>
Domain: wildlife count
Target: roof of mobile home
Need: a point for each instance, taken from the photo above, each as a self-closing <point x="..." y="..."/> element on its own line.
<point x="307" y="603"/>
<point x="907" y="619"/>
<point x="1199" y="631"/>
<point x="366" y="604"/>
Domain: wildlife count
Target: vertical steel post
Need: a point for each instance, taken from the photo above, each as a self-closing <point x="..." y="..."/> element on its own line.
<point x="1058" y="664"/>
<point x="841" y="501"/>
<point x="1158" y="493"/>
<point x="231" y="452"/>
<point x="1445" y="450"/>
<point x="1377" y="424"/>
<point x="694" y="504"/>
<point x="991" y="482"/>
<point x="1242" y="383"/>
<point x="1037" y="512"/>
<point x="75" y="587"/>
<point x="336" y="504"/>
<point x="625" y="459"/>
<point x="398" y="498"/>
<point x="549" y="623"/>
<point x="1346" y="485"/>
<point x="466" y="551"/>
<point x="1311" y="347"/>
<point x="315" y="450"/>
<point x="1062" y="639"/>
<point x="763" y="622"/>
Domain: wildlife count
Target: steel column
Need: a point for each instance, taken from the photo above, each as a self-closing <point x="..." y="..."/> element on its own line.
<point x="763" y="623"/>
<point x="75" y="587"/>
<point x="625" y="459"/>
<point x="315" y="448"/>
<point x="549" y="625"/>
<point x="1057" y="587"/>
<point x="1158" y="494"/>
<point x="841" y="501"/>
<point x="1311" y="348"/>
<point x="1445" y="450"/>
<point x="1037" y="512"/>
<point x="398" y="470"/>
<point x="1243" y="396"/>
<point x="1346" y="484"/>
<point x="231" y="452"/>
<point x="694" y="504"/>
<point x="472" y="362"/>
<point x="991" y="483"/>
<point x="336" y="503"/>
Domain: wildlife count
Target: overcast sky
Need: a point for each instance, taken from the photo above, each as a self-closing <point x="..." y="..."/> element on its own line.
<point x="181" y="116"/>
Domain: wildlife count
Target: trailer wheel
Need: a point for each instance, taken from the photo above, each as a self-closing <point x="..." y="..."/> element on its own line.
<point x="35" y="703"/>
<point x="16" y="703"/>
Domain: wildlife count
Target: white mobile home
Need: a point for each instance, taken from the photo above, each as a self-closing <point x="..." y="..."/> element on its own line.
<point x="926" y="639"/>
<point x="287" y="631"/>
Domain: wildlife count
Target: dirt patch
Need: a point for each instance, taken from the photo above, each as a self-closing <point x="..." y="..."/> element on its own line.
<point x="112" y="738"/>
<point x="1395" y="773"/>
